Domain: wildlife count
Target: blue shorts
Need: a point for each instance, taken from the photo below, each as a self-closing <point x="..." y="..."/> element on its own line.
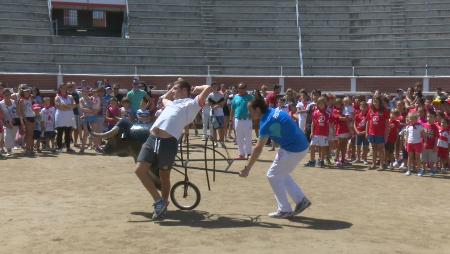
<point x="89" y="120"/>
<point x="218" y="122"/>
<point x="362" y="140"/>
<point x="49" y="135"/>
<point x="376" y="139"/>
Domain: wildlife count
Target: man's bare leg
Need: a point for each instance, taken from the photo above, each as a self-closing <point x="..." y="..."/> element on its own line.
<point x="142" y="173"/>
<point x="164" y="175"/>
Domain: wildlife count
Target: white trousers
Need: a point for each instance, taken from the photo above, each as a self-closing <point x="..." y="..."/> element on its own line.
<point x="206" y="123"/>
<point x="243" y="130"/>
<point x="280" y="180"/>
<point x="10" y="137"/>
<point x="302" y="124"/>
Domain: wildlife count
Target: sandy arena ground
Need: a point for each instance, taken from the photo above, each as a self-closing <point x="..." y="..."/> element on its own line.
<point x="95" y="204"/>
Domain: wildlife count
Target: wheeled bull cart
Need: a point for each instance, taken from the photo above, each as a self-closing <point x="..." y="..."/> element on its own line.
<point x="184" y="194"/>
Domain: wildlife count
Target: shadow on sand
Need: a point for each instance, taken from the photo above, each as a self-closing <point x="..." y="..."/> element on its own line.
<point x="202" y="219"/>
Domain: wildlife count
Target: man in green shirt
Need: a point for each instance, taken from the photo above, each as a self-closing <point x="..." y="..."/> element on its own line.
<point x="136" y="95"/>
<point x="242" y="121"/>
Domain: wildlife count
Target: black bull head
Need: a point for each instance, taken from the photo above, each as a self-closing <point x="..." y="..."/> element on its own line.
<point x="126" y="139"/>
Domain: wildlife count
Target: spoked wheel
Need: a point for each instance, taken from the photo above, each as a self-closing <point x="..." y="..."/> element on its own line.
<point x="185" y="195"/>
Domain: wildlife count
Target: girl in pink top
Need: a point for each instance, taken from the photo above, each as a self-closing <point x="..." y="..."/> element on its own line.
<point x="113" y="113"/>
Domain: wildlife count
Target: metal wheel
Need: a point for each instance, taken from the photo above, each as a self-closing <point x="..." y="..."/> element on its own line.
<point x="185" y="195"/>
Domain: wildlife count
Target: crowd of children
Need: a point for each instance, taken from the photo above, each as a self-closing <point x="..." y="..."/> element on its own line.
<point x="408" y="130"/>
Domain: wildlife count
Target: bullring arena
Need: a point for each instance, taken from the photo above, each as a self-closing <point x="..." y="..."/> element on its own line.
<point x="70" y="201"/>
<point x="95" y="204"/>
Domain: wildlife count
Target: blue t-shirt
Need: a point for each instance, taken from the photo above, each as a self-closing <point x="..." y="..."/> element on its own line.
<point x="239" y="106"/>
<point x="279" y="126"/>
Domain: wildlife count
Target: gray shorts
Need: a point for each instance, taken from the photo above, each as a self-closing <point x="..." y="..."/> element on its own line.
<point x="428" y="155"/>
<point x="159" y="152"/>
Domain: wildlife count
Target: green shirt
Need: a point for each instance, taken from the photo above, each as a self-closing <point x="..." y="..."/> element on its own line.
<point x="135" y="97"/>
<point x="239" y="106"/>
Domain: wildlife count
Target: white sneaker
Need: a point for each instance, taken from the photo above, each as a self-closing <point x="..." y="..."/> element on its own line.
<point x="408" y="173"/>
<point x="356" y="161"/>
<point x="281" y="215"/>
<point x="403" y="166"/>
<point x="395" y="164"/>
<point x="366" y="163"/>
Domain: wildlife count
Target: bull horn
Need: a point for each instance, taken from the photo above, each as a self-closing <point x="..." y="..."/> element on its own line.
<point x="105" y="135"/>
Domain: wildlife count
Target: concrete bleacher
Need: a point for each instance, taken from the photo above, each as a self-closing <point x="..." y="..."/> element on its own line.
<point x="24" y="17"/>
<point x="239" y="37"/>
<point x="386" y="37"/>
<point x="177" y="37"/>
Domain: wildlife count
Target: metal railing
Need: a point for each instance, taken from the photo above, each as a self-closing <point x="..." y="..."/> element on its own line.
<point x="126" y="22"/>
<point x="300" y="52"/>
<point x="50" y="7"/>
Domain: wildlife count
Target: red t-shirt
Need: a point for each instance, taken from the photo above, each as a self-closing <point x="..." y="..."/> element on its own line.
<point x="377" y="120"/>
<point x="431" y="135"/>
<point x="113" y="112"/>
<point x="271" y="99"/>
<point x="341" y="125"/>
<point x="361" y="121"/>
<point x="402" y="117"/>
<point x="412" y="110"/>
<point x="356" y="107"/>
<point x="321" y="123"/>
<point x="394" y="128"/>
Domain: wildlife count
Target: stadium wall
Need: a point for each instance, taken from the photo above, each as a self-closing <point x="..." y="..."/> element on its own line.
<point x="331" y="84"/>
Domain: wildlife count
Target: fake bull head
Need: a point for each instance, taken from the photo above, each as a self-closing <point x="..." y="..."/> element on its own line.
<point x="124" y="139"/>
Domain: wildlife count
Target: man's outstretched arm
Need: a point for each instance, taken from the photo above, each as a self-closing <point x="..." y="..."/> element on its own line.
<point x="203" y="92"/>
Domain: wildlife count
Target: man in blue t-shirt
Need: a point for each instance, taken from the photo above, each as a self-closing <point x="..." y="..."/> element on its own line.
<point x="278" y="126"/>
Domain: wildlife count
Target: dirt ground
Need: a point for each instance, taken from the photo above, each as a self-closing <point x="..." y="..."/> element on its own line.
<point x="95" y="204"/>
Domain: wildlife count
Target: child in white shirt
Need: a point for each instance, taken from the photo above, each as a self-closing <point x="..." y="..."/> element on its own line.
<point x="414" y="141"/>
<point x="48" y="123"/>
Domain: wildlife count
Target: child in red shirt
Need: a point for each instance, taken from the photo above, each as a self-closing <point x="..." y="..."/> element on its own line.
<point x="442" y="144"/>
<point x="377" y="130"/>
<point x="319" y="133"/>
<point x="342" y="131"/>
<point x="429" y="154"/>
<point x="113" y="113"/>
<point x="360" y="130"/>
<point x="394" y="128"/>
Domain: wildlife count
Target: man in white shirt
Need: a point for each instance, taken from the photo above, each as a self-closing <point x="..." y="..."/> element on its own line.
<point x="216" y="100"/>
<point x="161" y="146"/>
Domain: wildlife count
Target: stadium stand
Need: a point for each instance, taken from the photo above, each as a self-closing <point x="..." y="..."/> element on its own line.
<point x="177" y="37"/>
<point x="385" y="37"/>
